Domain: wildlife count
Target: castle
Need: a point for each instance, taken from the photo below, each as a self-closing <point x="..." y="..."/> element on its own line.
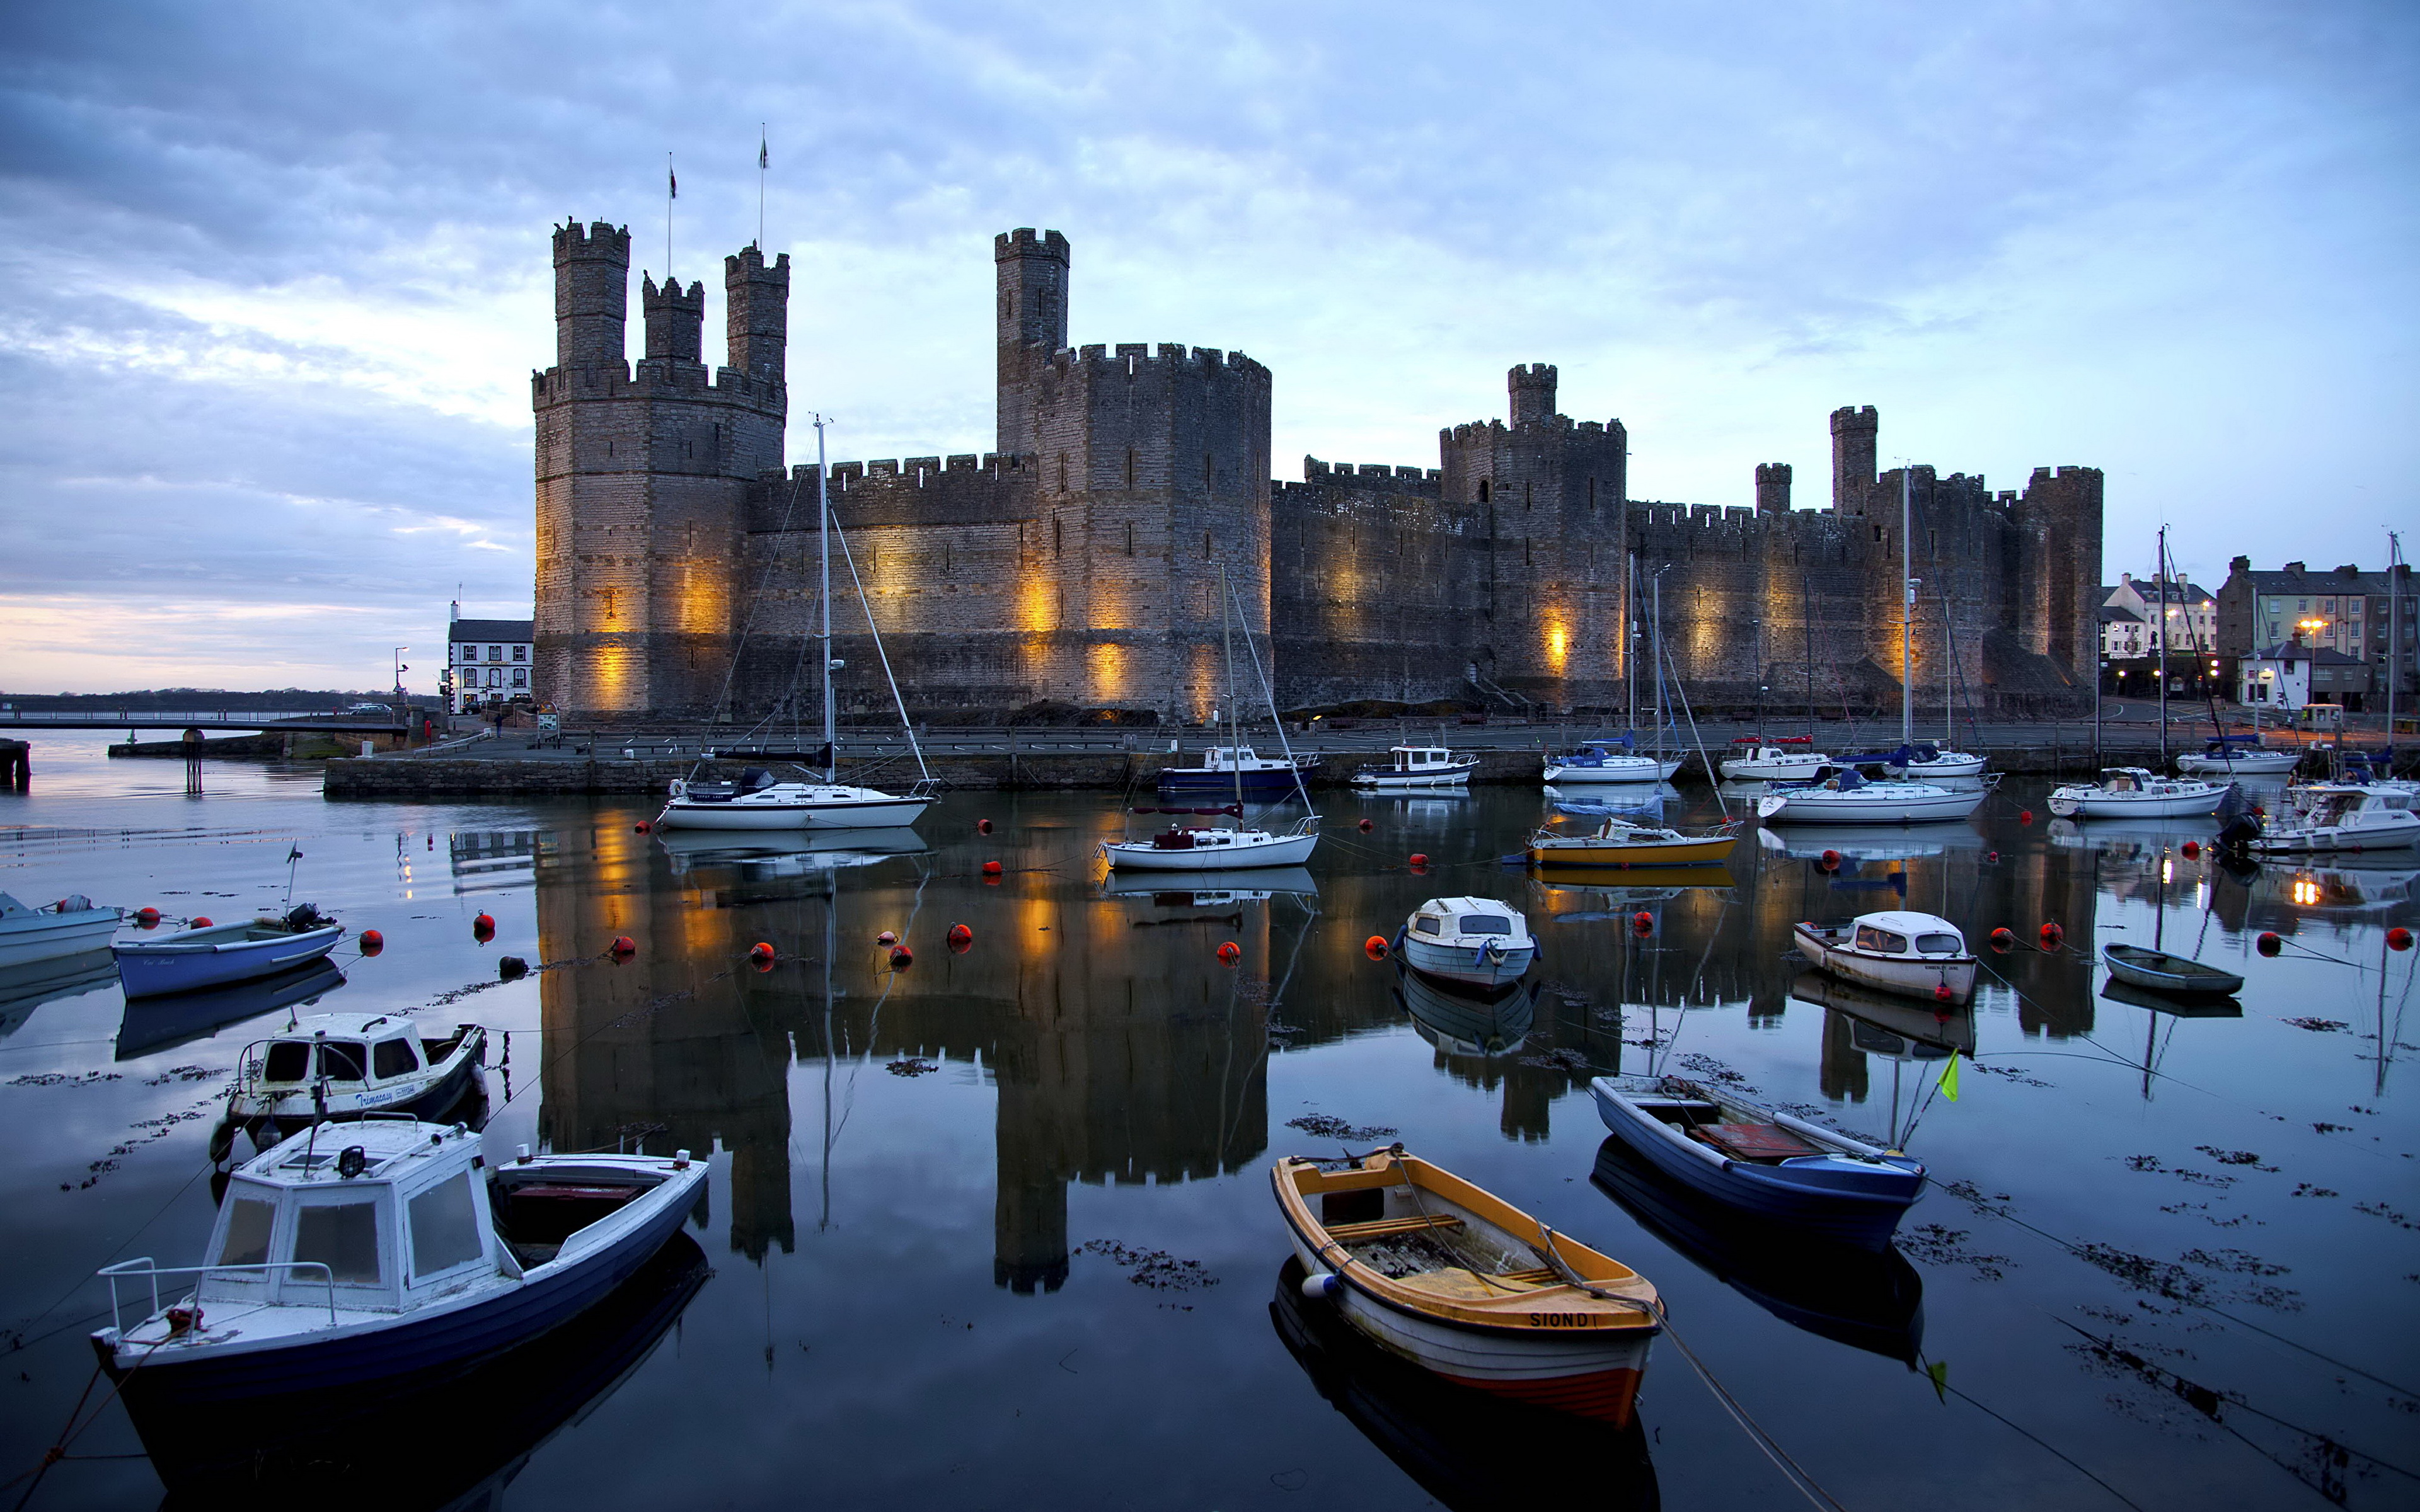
<point x="1079" y="563"/>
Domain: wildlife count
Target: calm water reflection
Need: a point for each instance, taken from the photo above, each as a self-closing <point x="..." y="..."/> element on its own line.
<point x="937" y="1188"/>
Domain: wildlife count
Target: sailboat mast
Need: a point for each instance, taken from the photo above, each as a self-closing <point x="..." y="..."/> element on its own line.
<point x="1630" y="640"/>
<point x="2394" y="655"/>
<point x="1656" y="640"/>
<point x="1907" y="604"/>
<point x="2160" y="580"/>
<point x="1234" y="729"/>
<point x="823" y="521"/>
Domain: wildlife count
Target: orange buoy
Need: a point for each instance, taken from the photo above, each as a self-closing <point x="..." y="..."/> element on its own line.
<point x="991" y="869"/>
<point x="643" y="827"/>
<point x="1374" y="948"/>
<point x="902" y="958"/>
<point x="982" y="826"/>
<point x="760" y="952"/>
<point x="1419" y="859"/>
<point x="2269" y="943"/>
<point x="201" y="921"/>
<point x="2399" y="938"/>
<point x="371" y="942"/>
<point x="624" y="945"/>
<point x="1831" y="859"/>
<point x="2052" y="935"/>
<point x="1642" y="922"/>
<point x="1365" y="826"/>
<point x="1231" y="953"/>
<point x="147" y="917"/>
<point x="960" y="935"/>
<point x="2024" y="816"/>
<point x="1941" y="993"/>
<point x="2004" y="939"/>
<point x="887" y="937"/>
<point x="2191" y="848"/>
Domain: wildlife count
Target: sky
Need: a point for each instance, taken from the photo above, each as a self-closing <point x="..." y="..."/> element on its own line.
<point x="273" y="276"/>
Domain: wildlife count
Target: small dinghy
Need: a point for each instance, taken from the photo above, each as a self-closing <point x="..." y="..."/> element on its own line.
<point x="349" y="1065"/>
<point x="379" y="1252"/>
<point x="147" y="1026"/>
<point x="1898" y="950"/>
<point x="1762" y="1161"/>
<point x="222" y="953"/>
<point x="2159" y="972"/>
<point x="1477" y="941"/>
<point x="1462" y="1283"/>
<point x="68" y="927"/>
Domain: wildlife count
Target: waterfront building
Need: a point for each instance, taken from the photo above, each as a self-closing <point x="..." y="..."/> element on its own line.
<point x="2362" y="615"/>
<point x="488" y="663"/>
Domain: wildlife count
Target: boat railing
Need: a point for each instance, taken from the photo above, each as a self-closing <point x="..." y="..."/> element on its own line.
<point x="144" y="1266"/>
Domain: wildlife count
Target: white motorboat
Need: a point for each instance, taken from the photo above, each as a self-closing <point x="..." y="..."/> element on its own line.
<point x="68" y="927"/>
<point x="1781" y="759"/>
<point x="1478" y="941"/>
<point x="2346" y="816"/>
<point x="758" y="801"/>
<point x="349" y="1065"/>
<point x="1214" y="848"/>
<point x="388" y="1252"/>
<point x="1850" y="799"/>
<point x="1898" y="950"/>
<point x="1610" y="761"/>
<point x="2134" y="793"/>
<point x="222" y="953"/>
<point x="2238" y="756"/>
<point x="1417" y="766"/>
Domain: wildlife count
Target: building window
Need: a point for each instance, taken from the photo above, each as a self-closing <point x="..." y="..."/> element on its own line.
<point x="521" y="677"/>
<point x="520" y="653"/>
<point x="495" y="653"/>
<point x="1482" y="490"/>
<point x="495" y="677"/>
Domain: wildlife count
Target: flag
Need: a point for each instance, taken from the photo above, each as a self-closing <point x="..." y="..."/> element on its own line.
<point x="672" y="183"/>
<point x="1949" y="1078"/>
<point x="295" y="854"/>
<point x="1938" y="1373"/>
<point x="764" y="154"/>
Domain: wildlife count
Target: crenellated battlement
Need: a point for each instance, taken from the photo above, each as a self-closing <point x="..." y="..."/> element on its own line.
<point x="1379" y="475"/>
<point x="675" y="321"/>
<point x="1134" y="357"/>
<point x="1026" y="242"/>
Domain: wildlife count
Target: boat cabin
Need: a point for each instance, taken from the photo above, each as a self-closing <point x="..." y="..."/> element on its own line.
<point x="1177" y="838"/>
<point x="1908" y="935"/>
<point x="2357" y="807"/>
<point x="1454" y="920"/>
<point x="351" y="1052"/>
<point x="2125" y="780"/>
<point x="388" y="1215"/>
<point x="1416" y="759"/>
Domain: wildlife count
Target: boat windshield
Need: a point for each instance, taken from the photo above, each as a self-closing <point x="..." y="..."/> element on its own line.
<point x="1427" y="924"/>
<point x="1871" y="938"/>
<point x="343" y="1061"/>
<point x="250" y="1218"/>
<point x="1486" y="924"/>
<point x="289" y="1060"/>
<point x="1940" y="945"/>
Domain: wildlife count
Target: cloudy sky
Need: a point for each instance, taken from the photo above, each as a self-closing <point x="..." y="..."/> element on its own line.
<point x="272" y="277"/>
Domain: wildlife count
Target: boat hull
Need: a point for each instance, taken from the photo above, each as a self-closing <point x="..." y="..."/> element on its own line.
<point x="2258" y="763"/>
<point x="1468" y="964"/>
<point x="422" y="1099"/>
<point x="1618" y="769"/>
<point x="1949" y="763"/>
<point x="158" y="1385"/>
<point x="1865" y="1219"/>
<point x="1914" y="978"/>
<point x="147" y="968"/>
<point x="1262" y="782"/>
<point x="2159" y="972"/>
<point x="151" y="1024"/>
<point x="1868" y="805"/>
<point x="2069" y="803"/>
<point x="2326" y="840"/>
<point x="853" y="814"/>
<point x="1141" y="855"/>
<point x="1384" y="779"/>
<point x="1772" y="769"/>
<point x="25" y="938"/>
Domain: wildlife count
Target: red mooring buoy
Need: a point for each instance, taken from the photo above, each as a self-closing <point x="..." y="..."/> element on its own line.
<point x="1941" y="993"/>
<point x="760" y="952"/>
<point x="1231" y="953"/>
<point x="1365" y="826"/>
<point x="960" y="937"/>
<point x="1831" y="859"/>
<point x="2024" y="816"/>
<point x="1642" y="922"/>
<point x="2191" y="848"/>
<point x="982" y="826"/>
<point x="643" y="827"/>
<point x="1419" y="859"/>
<point x="2269" y="943"/>
<point x="991" y="869"/>
<point x="2399" y="938"/>
<point x="147" y="917"/>
<point x="201" y="921"/>
<point x="902" y="958"/>
<point x="623" y="945"/>
<point x="371" y="942"/>
<point x="2004" y="939"/>
<point x="1374" y="948"/>
<point x="2052" y="935"/>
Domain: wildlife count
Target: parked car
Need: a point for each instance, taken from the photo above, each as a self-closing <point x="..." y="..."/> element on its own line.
<point x="368" y="708"/>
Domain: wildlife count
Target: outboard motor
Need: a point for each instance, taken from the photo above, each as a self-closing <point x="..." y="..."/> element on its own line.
<point x="2238" y="826"/>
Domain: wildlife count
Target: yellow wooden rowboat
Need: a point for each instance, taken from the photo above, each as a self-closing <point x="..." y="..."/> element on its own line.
<point x="1618" y="842"/>
<point x="1462" y="1283"/>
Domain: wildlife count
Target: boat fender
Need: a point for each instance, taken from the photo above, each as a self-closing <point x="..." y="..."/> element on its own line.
<point x="201" y="921"/>
<point x="1941" y="993"/>
<point x="2004" y="939"/>
<point x="2399" y="938"/>
<point x="2269" y="943"/>
<point x="680" y="1160"/>
<point x="1831" y="860"/>
<point x="1322" y="1284"/>
<point x="524" y="1156"/>
<point x="887" y="937"/>
<point x="1374" y="948"/>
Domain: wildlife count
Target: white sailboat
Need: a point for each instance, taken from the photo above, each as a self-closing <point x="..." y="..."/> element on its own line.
<point x="1184" y="847"/>
<point x="759" y="800"/>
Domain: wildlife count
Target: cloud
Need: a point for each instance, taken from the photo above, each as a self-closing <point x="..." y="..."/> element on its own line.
<point x="272" y="276"/>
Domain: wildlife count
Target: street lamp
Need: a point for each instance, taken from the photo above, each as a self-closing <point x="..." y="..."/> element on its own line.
<point x="399" y="670"/>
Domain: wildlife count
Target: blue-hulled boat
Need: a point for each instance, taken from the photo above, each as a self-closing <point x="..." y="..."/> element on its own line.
<point x="217" y="954"/>
<point x="382" y="1252"/>
<point x="150" y="1025"/>
<point x="1223" y="767"/>
<point x="1763" y="1161"/>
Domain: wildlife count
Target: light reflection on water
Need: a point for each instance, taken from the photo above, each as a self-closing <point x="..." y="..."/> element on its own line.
<point x="906" y="1309"/>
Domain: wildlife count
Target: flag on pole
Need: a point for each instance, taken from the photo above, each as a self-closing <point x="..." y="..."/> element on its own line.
<point x="1938" y="1373"/>
<point x="671" y="182"/>
<point x="1949" y="1078"/>
<point x="764" y="153"/>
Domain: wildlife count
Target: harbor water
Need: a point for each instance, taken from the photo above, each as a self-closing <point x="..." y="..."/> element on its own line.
<point x="992" y="1227"/>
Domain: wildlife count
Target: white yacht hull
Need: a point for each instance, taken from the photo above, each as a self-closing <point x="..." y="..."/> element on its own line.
<point x="1773" y="768"/>
<point x="1876" y="803"/>
<point x="876" y="811"/>
<point x="39" y="936"/>
<point x="1244" y="850"/>
<point x="1613" y="769"/>
<point x="1948" y="764"/>
<point x="1387" y="781"/>
<point x="2092" y="803"/>
<point x="2250" y="763"/>
<point x="2382" y="833"/>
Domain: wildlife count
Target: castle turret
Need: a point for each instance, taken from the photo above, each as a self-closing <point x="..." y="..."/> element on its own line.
<point x="591" y="294"/>
<point x="676" y="321"/>
<point x="1031" y="273"/>
<point x="1773" y="487"/>
<point x="1532" y="385"/>
<point x="1853" y="434"/>
<point x="756" y="312"/>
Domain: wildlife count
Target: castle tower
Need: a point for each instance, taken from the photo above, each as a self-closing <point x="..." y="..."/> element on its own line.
<point x="1773" y="487"/>
<point x="676" y="321"/>
<point x="1532" y="387"/>
<point x="2058" y="519"/>
<point x="1853" y="435"/>
<point x="1544" y="500"/>
<point x="643" y="476"/>
<point x="756" y="312"/>
<point x="1031" y="272"/>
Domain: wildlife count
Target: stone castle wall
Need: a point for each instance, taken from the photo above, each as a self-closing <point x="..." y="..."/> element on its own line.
<point x="1079" y="566"/>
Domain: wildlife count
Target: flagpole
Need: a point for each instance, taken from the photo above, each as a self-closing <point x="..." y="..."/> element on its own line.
<point x="672" y="192"/>
<point x="764" y="156"/>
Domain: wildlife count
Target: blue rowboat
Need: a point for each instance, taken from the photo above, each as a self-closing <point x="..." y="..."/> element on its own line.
<point x="222" y="953"/>
<point x="356" y="1254"/>
<point x="1762" y="1161"/>
<point x="150" y="1025"/>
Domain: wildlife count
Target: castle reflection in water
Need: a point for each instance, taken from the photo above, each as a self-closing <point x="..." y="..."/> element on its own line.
<point x="1121" y="1053"/>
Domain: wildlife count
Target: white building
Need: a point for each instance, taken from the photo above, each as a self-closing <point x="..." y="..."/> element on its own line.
<point x="486" y="662"/>
<point x="2173" y="611"/>
<point x="2286" y="677"/>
